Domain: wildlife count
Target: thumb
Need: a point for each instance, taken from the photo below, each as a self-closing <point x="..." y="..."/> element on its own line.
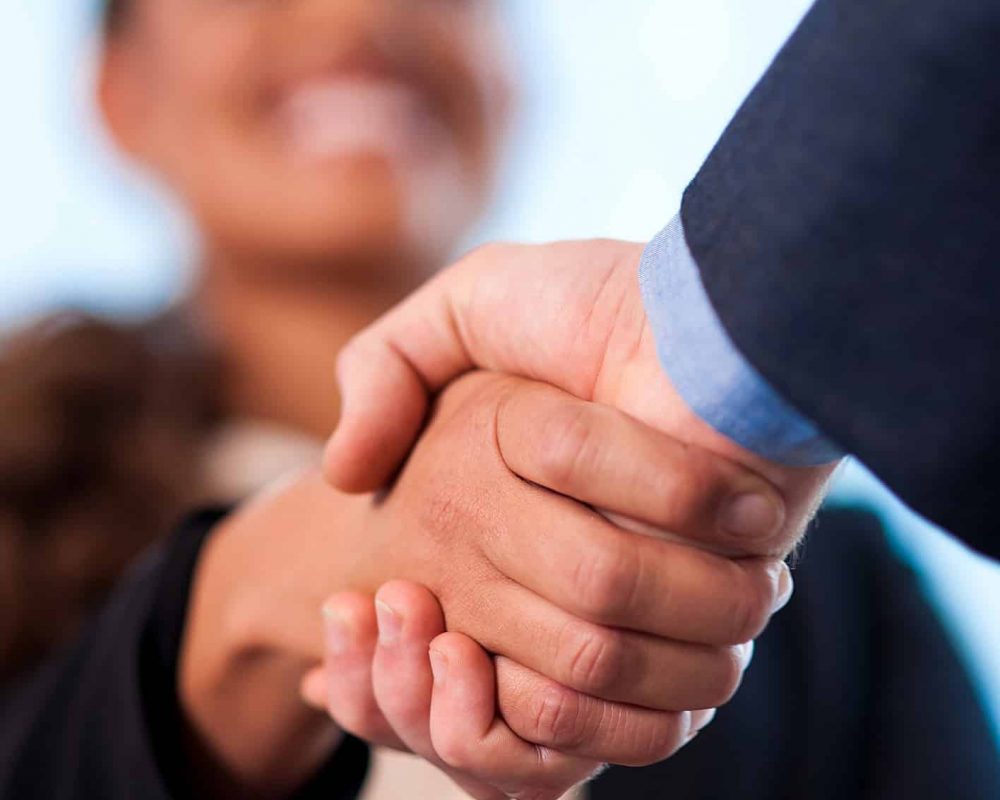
<point x="547" y="312"/>
<point x="386" y="376"/>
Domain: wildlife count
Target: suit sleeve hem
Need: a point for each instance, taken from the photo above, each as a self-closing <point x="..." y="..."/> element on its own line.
<point x="707" y="370"/>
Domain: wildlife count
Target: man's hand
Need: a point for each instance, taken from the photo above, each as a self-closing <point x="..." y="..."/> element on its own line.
<point x="633" y="631"/>
<point x="568" y="314"/>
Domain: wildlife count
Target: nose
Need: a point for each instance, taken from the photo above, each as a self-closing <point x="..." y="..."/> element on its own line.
<point x="349" y="24"/>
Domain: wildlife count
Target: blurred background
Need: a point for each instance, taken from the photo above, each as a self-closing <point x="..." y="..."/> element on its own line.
<point x="621" y="103"/>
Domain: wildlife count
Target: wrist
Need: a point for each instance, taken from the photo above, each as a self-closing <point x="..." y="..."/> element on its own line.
<point x="247" y="644"/>
<point x="645" y="390"/>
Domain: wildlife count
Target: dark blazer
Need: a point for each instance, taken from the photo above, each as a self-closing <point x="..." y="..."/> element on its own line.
<point x="855" y="692"/>
<point x="847" y="228"/>
<point x="844" y="226"/>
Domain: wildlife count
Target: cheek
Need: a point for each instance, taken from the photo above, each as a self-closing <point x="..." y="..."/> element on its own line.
<point x="201" y="84"/>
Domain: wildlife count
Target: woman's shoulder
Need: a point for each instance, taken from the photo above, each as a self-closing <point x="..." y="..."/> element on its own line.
<point x="79" y="345"/>
<point x="82" y="394"/>
<point x="100" y="421"/>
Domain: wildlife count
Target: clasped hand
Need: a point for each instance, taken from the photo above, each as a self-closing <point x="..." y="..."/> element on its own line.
<point x="599" y="557"/>
<point x="571" y="641"/>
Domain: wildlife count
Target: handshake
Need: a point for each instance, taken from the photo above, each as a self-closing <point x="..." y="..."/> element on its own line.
<point x="568" y="567"/>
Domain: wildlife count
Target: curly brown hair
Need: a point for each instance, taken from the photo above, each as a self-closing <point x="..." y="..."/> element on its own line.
<point x="100" y="425"/>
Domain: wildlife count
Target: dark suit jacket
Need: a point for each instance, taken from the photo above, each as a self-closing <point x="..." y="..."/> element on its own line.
<point x="855" y="692"/>
<point x="844" y="226"/>
<point x="847" y="228"/>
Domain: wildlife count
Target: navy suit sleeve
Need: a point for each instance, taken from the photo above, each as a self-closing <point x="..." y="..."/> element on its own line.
<point x="847" y="230"/>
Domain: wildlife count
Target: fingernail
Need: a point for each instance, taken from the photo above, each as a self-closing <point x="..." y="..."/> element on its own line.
<point x="390" y="624"/>
<point x="746" y="655"/>
<point x="753" y="516"/>
<point x="337" y="630"/>
<point x="785" y="587"/>
<point x="439" y="666"/>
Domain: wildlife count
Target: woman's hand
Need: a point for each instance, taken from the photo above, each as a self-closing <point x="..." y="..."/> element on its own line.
<point x="393" y="677"/>
<point x="625" y="625"/>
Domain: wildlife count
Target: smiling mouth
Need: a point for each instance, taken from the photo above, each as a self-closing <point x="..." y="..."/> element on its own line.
<point x="342" y="116"/>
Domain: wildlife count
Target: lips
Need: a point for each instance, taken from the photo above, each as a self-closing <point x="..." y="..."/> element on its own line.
<point x="348" y="115"/>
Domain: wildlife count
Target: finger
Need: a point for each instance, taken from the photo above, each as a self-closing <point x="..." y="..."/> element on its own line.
<point x="477" y="313"/>
<point x="546" y="713"/>
<point x="468" y="735"/>
<point x="604" y="457"/>
<point x="386" y="375"/>
<point x="409" y="618"/>
<point x="312" y="689"/>
<point x="608" y="663"/>
<point x="594" y="570"/>
<point x="350" y="635"/>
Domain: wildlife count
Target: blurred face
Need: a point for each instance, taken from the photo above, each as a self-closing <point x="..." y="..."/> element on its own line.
<point x="336" y="134"/>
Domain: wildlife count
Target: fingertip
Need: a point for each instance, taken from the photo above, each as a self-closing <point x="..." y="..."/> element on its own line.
<point x="417" y="605"/>
<point x="464" y="670"/>
<point x="349" y="624"/>
<point x="312" y="688"/>
<point x="348" y="696"/>
<point x="786" y="585"/>
<point x="464" y="697"/>
<point x="355" y="607"/>
<point x="463" y="701"/>
<point x="383" y="404"/>
<point x="345" y="466"/>
<point x="754" y="515"/>
<point x="453" y="642"/>
<point x="439" y="666"/>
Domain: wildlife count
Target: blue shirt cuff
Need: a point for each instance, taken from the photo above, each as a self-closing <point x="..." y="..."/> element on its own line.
<point x="707" y="370"/>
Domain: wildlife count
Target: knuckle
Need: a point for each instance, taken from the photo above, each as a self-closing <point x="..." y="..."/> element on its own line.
<point x="659" y="741"/>
<point x="683" y="493"/>
<point x="605" y="580"/>
<point x="593" y="658"/>
<point x="689" y="490"/>
<point x="455" y="751"/>
<point x="558" y="721"/>
<point x="751" y="610"/>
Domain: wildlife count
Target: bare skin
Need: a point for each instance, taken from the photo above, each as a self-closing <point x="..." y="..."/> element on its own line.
<point x="635" y="629"/>
<point x="580" y="303"/>
<point x="308" y="232"/>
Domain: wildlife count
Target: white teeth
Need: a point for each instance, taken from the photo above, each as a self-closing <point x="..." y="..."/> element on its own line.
<point x="339" y="116"/>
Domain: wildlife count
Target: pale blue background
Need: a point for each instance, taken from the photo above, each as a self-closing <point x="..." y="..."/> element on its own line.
<point x="621" y="103"/>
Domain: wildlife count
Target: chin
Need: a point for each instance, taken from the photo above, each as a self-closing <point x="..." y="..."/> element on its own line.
<point x="355" y="243"/>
